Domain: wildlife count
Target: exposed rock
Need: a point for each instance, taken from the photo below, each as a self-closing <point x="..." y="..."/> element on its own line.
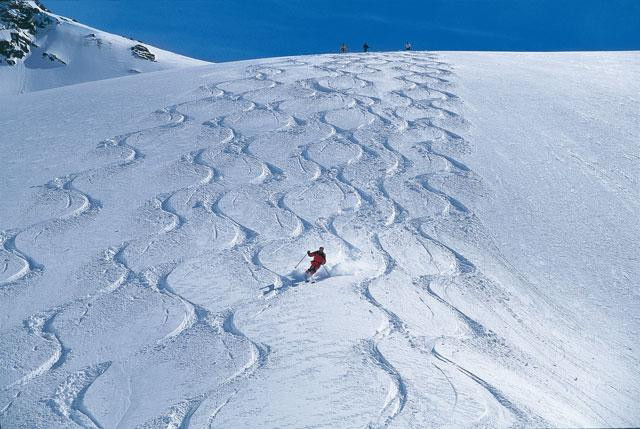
<point x="21" y="19"/>
<point x="52" y="57"/>
<point x="142" y="52"/>
<point x="92" y="38"/>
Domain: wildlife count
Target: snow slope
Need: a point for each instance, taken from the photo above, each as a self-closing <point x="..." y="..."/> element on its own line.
<point x="64" y="52"/>
<point x="478" y="211"/>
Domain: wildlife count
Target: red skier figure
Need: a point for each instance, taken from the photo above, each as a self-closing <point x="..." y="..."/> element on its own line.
<point x="319" y="259"/>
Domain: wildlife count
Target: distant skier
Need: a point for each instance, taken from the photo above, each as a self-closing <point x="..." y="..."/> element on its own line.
<point x="319" y="259"/>
<point x="407" y="46"/>
<point x="365" y="47"/>
<point x="343" y="48"/>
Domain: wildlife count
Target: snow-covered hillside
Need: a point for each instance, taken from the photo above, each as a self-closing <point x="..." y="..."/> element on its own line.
<point x="479" y="212"/>
<point x="41" y="50"/>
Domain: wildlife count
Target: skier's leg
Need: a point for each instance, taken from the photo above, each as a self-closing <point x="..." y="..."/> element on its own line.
<point x="309" y="274"/>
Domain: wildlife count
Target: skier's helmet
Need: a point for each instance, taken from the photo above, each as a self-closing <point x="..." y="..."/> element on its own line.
<point x="321" y="248"/>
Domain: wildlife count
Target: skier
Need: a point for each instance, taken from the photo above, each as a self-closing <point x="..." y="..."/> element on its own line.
<point x="344" y="48"/>
<point x="407" y="46"/>
<point x="365" y="47"/>
<point x="319" y="259"/>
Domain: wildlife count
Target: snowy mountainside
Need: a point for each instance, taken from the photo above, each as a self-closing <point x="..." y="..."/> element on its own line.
<point x="151" y="225"/>
<point x="41" y="50"/>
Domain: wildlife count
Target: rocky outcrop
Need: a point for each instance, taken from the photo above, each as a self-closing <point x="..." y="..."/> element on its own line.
<point x="52" y="58"/>
<point x="19" y="22"/>
<point x="142" y="52"/>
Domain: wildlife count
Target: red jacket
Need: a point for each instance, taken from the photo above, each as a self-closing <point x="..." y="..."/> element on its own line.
<point x="319" y="258"/>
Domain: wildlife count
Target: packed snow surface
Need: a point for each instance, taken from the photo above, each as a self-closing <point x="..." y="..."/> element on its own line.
<point x="479" y="213"/>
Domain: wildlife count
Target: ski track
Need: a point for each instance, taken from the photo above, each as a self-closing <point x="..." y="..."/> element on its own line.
<point x="41" y="324"/>
<point x="493" y="391"/>
<point x="395" y="323"/>
<point x="68" y="396"/>
<point x="397" y="398"/>
<point x="395" y="404"/>
<point x="369" y="197"/>
<point x="89" y="207"/>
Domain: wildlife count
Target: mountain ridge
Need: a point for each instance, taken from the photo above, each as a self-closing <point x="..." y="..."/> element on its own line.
<point x="41" y="50"/>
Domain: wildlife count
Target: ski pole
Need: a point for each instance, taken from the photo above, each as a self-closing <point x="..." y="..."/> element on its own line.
<point x="300" y="261"/>
<point x="326" y="271"/>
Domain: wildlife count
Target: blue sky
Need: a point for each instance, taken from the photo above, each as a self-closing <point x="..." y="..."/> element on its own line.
<point x="241" y="29"/>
